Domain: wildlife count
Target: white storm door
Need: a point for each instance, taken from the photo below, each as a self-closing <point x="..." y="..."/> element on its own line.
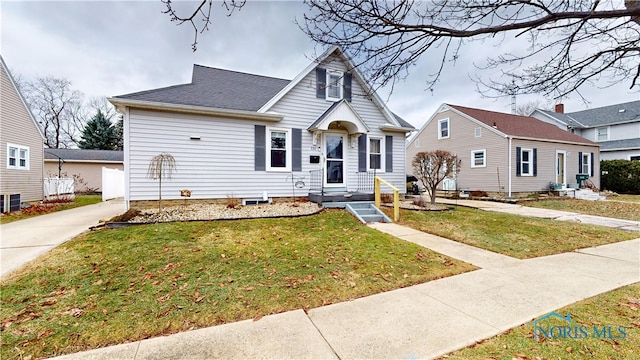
<point x="334" y="155"/>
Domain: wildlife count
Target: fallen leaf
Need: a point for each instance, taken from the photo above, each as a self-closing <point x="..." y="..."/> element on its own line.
<point x="569" y="349"/>
<point x="164" y="298"/>
<point x="258" y="317"/>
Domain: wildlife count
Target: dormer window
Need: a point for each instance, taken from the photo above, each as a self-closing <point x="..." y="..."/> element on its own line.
<point x="333" y="85"/>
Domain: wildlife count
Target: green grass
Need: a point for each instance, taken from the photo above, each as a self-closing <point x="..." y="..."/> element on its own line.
<point x="37" y="210"/>
<point x="617" y="208"/>
<point x="615" y="308"/>
<point x="518" y="236"/>
<point x="115" y="286"/>
<point x="625" y="197"/>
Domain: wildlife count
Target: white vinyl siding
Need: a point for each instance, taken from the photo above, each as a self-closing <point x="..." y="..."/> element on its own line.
<point x="221" y="164"/>
<point x="479" y="158"/>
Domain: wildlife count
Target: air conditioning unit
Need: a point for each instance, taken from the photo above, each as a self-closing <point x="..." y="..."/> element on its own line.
<point x="9" y="202"/>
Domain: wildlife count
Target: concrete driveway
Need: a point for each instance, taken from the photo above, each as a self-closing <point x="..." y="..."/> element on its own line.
<point x="24" y="240"/>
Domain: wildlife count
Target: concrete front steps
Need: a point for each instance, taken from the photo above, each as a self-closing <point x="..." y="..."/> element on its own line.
<point x="366" y="212"/>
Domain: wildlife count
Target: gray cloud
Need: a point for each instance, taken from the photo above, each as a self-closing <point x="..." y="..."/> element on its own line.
<point x="108" y="48"/>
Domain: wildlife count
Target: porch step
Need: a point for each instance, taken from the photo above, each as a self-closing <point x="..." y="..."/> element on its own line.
<point x="366" y="212"/>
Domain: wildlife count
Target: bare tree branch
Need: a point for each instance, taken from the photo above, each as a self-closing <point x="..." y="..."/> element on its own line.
<point x="200" y="18"/>
<point x="578" y="41"/>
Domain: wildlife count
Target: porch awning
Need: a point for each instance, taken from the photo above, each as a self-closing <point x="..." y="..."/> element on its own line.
<point x="343" y="113"/>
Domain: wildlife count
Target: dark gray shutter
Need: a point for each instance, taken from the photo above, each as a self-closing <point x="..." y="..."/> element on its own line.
<point x="518" y="150"/>
<point x="296" y="148"/>
<point x="591" y="167"/>
<point x="362" y="153"/>
<point x="259" y="155"/>
<point x="321" y="82"/>
<point x="388" y="153"/>
<point x="579" y="162"/>
<point x="535" y="162"/>
<point x="347" y="86"/>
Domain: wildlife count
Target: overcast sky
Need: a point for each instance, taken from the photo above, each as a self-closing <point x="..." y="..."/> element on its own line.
<point x="113" y="48"/>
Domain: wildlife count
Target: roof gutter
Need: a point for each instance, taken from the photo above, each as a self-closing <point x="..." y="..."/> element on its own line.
<point x="121" y="103"/>
<point x="397" y="128"/>
<point x="555" y="141"/>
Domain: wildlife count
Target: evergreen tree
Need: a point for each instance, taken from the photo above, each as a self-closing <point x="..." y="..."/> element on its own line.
<point x="99" y="134"/>
<point x="119" y="130"/>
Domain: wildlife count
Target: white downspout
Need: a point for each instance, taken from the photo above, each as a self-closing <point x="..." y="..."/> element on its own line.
<point x="510" y="166"/>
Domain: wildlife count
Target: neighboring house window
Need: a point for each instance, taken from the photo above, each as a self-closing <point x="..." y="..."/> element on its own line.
<point x="443" y="129"/>
<point x="602" y="134"/>
<point x="526" y="162"/>
<point x="634" y="158"/>
<point x="279" y="150"/>
<point x="585" y="163"/>
<point x="17" y="157"/>
<point x="479" y="158"/>
<point x="478" y="132"/>
<point x="333" y="85"/>
<point x="375" y="154"/>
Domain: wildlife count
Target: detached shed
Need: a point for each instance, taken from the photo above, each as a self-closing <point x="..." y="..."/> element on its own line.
<point x="84" y="165"/>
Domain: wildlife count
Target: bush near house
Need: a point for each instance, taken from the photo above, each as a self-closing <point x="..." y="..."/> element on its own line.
<point x="621" y="176"/>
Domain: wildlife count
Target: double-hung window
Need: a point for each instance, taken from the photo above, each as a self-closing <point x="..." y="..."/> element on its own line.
<point x="443" y="129"/>
<point x="586" y="163"/>
<point x="479" y="158"/>
<point x="602" y="134"/>
<point x="334" y="85"/>
<point x="526" y="162"/>
<point x="279" y="151"/>
<point x="17" y="157"/>
<point x="375" y="154"/>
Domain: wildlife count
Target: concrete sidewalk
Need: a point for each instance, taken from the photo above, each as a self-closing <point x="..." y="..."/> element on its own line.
<point x="422" y="321"/>
<point x="24" y="240"/>
<point x="545" y="213"/>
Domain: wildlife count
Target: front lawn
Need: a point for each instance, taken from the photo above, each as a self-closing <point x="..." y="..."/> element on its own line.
<point x="514" y="235"/>
<point x="114" y="286"/>
<point x="618" y="308"/>
<point x="41" y="209"/>
<point x="616" y="208"/>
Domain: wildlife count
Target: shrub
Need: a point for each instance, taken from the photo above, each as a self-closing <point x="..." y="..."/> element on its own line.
<point x="478" y="193"/>
<point x="420" y="201"/>
<point x="621" y="176"/>
<point x="386" y="198"/>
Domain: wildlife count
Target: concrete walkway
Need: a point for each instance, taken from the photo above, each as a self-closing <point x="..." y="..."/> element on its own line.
<point x="422" y="321"/>
<point x="545" y="213"/>
<point x="24" y="240"/>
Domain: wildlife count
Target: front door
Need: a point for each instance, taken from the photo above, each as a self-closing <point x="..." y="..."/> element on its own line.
<point x="560" y="166"/>
<point x="334" y="154"/>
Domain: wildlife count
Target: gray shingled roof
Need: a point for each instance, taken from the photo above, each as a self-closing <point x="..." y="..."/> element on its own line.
<point x="607" y="115"/>
<point x="217" y="88"/>
<point x="625" y="144"/>
<point x="404" y="123"/>
<point x="83" y="155"/>
<point x="562" y="117"/>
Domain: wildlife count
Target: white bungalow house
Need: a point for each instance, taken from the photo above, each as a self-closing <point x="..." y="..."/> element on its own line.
<point x="257" y="138"/>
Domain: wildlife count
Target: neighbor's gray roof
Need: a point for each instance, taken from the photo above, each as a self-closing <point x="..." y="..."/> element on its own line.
<point x="562" y="117"/>
<point x="83" y="155"/>
<point x="607" y="115"/>
<point x="625" y="144"/>
<point x="217" y="88"/>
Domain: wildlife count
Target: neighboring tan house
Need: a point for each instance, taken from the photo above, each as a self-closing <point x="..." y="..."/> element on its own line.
<point x="21" y="148"/>
<point x="505" y="153"/>
<point x="616" y="128"/>
<point x="85" y="166"/>
<point x="256" y="138"/>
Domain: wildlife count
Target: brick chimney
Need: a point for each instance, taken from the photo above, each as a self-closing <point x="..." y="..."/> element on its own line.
<point x="560" y="108"/>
